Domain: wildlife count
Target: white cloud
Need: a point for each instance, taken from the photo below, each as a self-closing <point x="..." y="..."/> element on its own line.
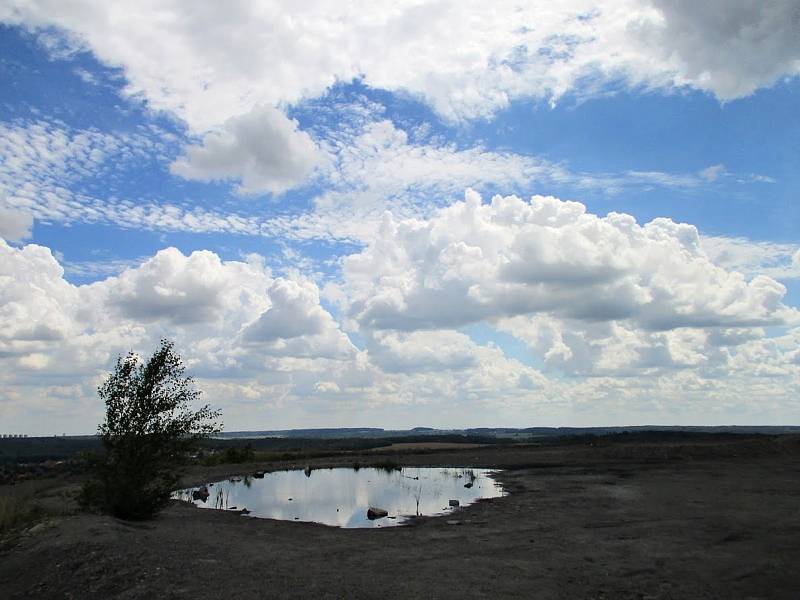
<point x="729" y="47"/>
<point x="378" y="168"/>
<point x="713" y="172"/>
<point x="295" y="324"/>
<point x="619" y="349"/>
<point x="51" y="172"/>
<point x="48" y="169"/>
<point x="198" y="288"/>
<point x="422" y="351"/>
<point x="209" y="63"/>
<point x="470" y="262"/>
<point x="37" y="304"/>
<point x="15" y="225"/>
<point x="204" y="302"/>
<point x="263" y="149"/>
<point x="298" y="367"/>
<point x="752" y="258"/>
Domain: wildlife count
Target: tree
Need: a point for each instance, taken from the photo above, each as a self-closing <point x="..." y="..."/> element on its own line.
<point x="149" y="428"/>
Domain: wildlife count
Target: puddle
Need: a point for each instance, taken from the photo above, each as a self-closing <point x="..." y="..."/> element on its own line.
<point x="342" y="497"/>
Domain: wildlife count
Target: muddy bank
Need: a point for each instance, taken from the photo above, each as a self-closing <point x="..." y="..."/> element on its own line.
<point x="639" y="519"/>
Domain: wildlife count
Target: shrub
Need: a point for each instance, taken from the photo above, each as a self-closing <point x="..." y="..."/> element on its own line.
<point x="232" y="455"/>
<point x="148" y="429"/>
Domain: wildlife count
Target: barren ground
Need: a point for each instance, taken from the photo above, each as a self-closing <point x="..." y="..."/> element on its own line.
<point x="694" y="518"/>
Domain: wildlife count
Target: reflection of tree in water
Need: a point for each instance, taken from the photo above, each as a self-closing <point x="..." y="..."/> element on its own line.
<point x="221" y="498"/>
<point x="417" y="496"/>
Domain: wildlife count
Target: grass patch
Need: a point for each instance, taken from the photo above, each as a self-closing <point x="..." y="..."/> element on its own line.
<point x="18" y="511"/>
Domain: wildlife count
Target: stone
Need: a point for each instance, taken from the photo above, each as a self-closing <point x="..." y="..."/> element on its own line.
<point x="200" y="494"/>
<point x="376" y="513"/>
<point x="453" y="503"/>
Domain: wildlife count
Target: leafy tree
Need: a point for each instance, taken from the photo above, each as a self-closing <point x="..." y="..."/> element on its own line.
<point x="149" y="427"/>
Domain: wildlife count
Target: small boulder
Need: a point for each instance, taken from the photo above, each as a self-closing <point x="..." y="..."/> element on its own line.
<point x="376" y="513"/>
<point x="468" y="484"/>
<point x="453" y="503"/>
<point x="200" y="494"/>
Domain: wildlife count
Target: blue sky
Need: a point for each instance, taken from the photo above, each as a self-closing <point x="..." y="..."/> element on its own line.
<point x="590" y="221"/>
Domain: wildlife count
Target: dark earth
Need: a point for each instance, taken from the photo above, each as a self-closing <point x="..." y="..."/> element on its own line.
<point x="643" y="517"/>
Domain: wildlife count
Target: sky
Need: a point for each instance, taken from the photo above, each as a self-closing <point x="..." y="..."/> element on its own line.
<point x="400" y="214"/>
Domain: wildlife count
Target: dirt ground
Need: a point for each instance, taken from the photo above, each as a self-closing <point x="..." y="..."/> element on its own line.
<point x="708" y="518"/>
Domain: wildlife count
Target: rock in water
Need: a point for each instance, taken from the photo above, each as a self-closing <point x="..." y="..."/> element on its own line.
<point x="453" y="502"/>
<point x="200" y="494"/>
<point x="376" y="513"/>
<point x="468" y="485"/>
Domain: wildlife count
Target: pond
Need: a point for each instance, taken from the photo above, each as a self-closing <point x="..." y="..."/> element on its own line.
<point x="348" y="497"/>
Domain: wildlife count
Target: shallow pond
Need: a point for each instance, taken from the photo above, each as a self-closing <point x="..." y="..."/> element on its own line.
<point x="343" y="497"/>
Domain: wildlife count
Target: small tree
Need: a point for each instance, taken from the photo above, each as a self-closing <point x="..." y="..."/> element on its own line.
<point x="148" y="429"/>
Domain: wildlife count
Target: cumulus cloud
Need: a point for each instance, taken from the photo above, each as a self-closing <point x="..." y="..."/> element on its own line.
<point x="15" y="225"/>
<point x="616" y="348"/>
<point x="421" y="351"/>
<point x="751" y="258"/>
<point x="183" y="58"/>
<point x="295" y="324"/>
<point x="205" y="303"/>
<point x="728" y="47"/>
<point x="263" y="149"/>
<point x="37" y="304"/>
<point x="198" y="288"/>
<point x="470" y="262"/>
<point x="266" y="344"/>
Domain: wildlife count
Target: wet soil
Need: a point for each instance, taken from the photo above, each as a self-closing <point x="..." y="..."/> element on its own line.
<point x="642" y="519"/>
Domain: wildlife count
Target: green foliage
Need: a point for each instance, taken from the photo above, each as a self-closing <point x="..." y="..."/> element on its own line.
<point x="149" y="428"/>
<point x="232" y="455"/>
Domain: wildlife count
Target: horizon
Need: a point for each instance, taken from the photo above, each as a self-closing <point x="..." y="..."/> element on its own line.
<point x="445" y="430"/>
<point x="564" y="218"/>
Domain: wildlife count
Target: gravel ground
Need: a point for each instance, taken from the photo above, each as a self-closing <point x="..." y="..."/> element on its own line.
<point x="710" y="518"/>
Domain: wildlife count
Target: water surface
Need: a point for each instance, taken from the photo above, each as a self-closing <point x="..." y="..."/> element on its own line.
<point x="342" y="497"/>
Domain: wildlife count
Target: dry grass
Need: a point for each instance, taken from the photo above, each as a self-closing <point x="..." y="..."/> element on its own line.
<point x="416" y="446"/>
<point x="17" y="510"/>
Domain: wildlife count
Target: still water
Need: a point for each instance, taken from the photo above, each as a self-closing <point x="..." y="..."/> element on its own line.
<point x="342" y="497"/>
